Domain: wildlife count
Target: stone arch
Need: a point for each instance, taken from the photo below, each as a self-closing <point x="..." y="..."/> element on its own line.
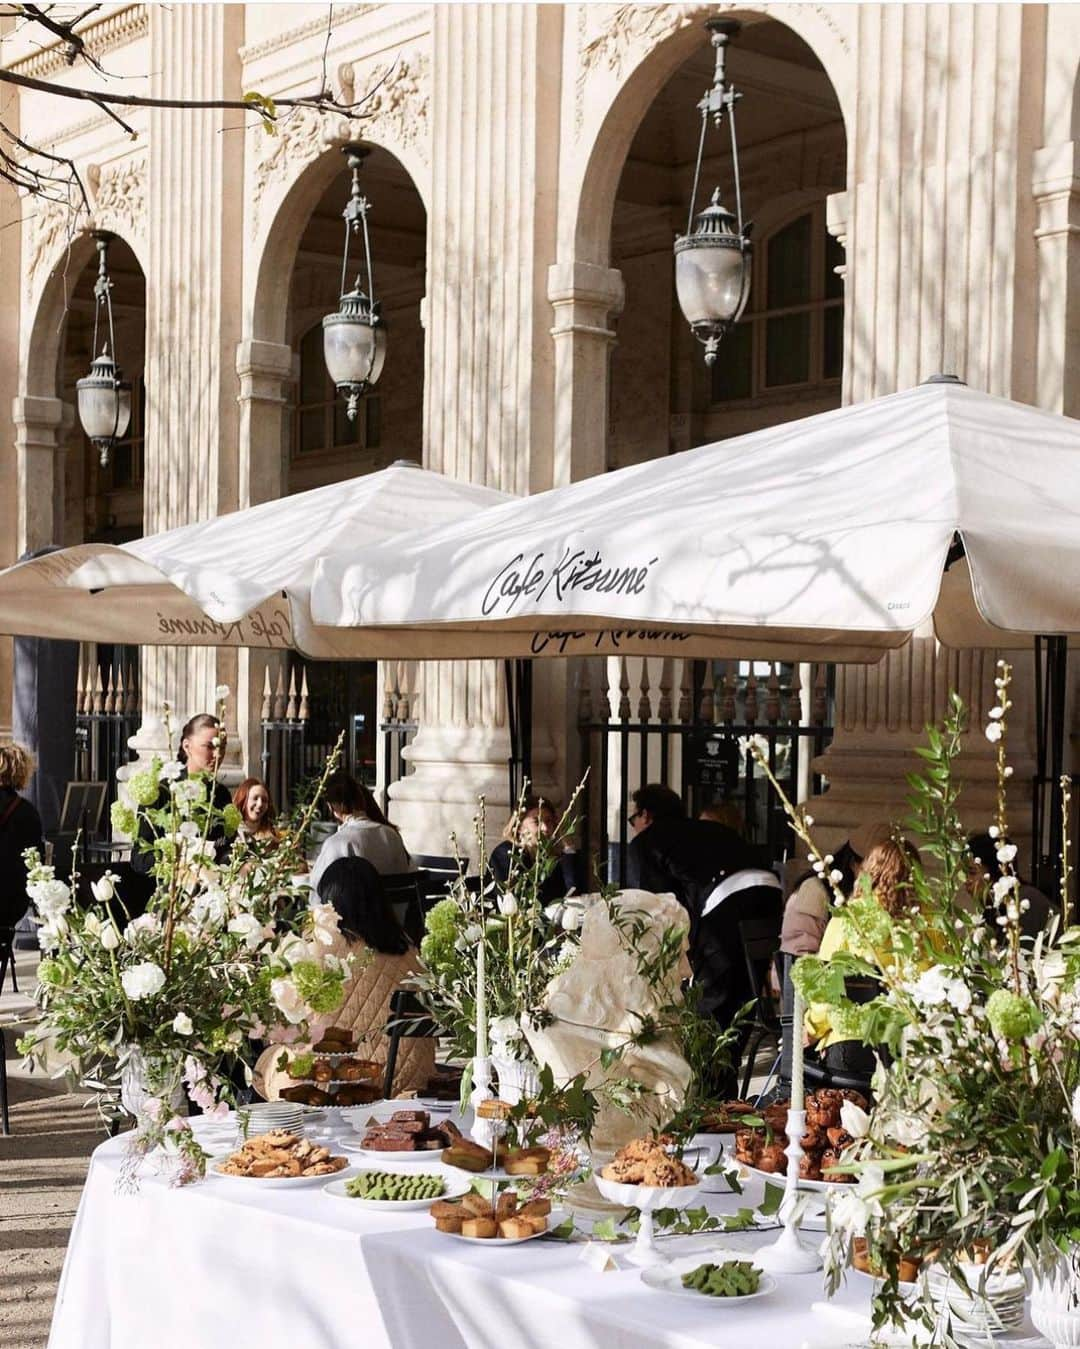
<point x="674" y="37"/>
<point x="282" y="222"/>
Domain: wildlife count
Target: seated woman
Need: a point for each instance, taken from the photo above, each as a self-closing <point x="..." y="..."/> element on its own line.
<point x="806" y="910"/>
<point x="363" y="831"/>
<point x="888" y="866"/>
<point x="252" y="799"/>
<point x="384" y="957"/>
<point x="537" y="819"/>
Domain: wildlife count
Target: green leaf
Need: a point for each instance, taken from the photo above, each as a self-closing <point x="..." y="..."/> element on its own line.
<point x="564" y="1231"/>
<point x="605" y="1230"/>
<point x="774" y="1197"/>
<point x="266" y="108"/>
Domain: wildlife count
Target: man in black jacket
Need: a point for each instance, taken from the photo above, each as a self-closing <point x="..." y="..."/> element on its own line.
<point x="714" y="874"/>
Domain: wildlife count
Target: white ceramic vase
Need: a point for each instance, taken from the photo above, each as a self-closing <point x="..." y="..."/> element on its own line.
<point x="518" y="1078"/>
<point x="1055" y="1302"/>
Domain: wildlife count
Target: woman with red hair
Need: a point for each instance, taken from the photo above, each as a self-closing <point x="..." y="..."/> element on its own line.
<point x="256" y="806"/>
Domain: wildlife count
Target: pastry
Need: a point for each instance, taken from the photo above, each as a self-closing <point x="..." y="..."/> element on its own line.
<point x="468" y="1156"/>
<point x="506" y="1206"/>
<point x="445" y="1208"/>
<point x="308" y="1094"/>
<point x="452" y="1223"/>
<point x="516" y="1228"/>
<point x="476" y="1206"/>
<point x="358" y="1093"/>
<point x="527" y="1161"/>
<point x="493" y="1109"/>
<point x="479" y="1227"/>
<point x="535" y="1208"/>
<point x="323" y="1071"/>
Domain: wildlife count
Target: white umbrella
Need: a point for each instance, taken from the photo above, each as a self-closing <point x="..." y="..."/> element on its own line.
<point x="241" y="579"/>
<point x="824" y="538"/>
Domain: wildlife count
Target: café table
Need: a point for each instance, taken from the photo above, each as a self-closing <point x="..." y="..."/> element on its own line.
<point x="217" y="1264"/>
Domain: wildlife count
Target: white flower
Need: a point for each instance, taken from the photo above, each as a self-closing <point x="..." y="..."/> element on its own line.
<point x="91" y="924"/>
<point x="172" y="771"/>
<point x="293" y="949"/>
<point x="993" y="831"/>
<point x="110" y="938"/>
<point x="836" y="876"/>
<point x="553" y="912"/>
<point x="221" y="692"/>
<point x="906" y="1130"/>
<point x="931" y="988"/>
<point x="504" y="1028"/>
<point x="996" y="713"/>
<point x="247" y="926"/>
<point x="288" y="1000"/>
<point x="210" y="906"/>
<point x="1006" y="852"/>
<point x="808" y="820"/>
<point x="182" y="1024"/>
<point x="143" y="980"/>
<point x="473" y="933"/>
<point x="508" y="905"/>
<point x="993" y="731"/>
<point x="103" y="890"/>
<point x="1007" y="771"/>
<point x="1003" y="887"/>
<point x="852" y="1210"/>
<point x="1076" y="1106"/>
<point x="52" y="898"/>
<point x="959" y="995"/>
<point x="148" y="923"/>
<point x="571" y="918"/>
<point x="327" y="929"/>
<point x="188" y="789"/>
<point x="854" y="1119"/>
<point x="189" y="832"/>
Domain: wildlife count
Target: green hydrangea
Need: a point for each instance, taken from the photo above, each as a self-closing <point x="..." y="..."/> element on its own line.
<point x="869" y="922"/>
<point x="848" y="1021"/>
<point x="320" y="988"/>
<point x="50" y="972"/>
<point x="1012" y="1016"/>
<point x="231" y="817"/>
<point x="144" y="788"/>
<point x="437" y="948"/>
<point x="123" y="819"/>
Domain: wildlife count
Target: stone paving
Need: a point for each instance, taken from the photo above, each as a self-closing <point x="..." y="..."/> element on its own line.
<point x="42" y="1169"/>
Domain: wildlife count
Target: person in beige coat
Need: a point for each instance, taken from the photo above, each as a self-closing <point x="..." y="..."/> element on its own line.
<point x="383" y="958"/>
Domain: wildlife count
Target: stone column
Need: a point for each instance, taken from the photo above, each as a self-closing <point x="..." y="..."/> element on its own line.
<point x="40" y="430"/>
<point x="489" y="367"/>
<point x="585" y="299"/>
<point x="266" y="370"/>
<point x="192" y="317"/>
<point x="1056" y="189"/>
<point x="937" y="222"/>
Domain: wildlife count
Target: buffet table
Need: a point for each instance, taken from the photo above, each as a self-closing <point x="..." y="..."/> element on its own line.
<point x="217" y="1264"/>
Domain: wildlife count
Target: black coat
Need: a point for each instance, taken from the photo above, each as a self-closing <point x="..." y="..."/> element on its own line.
<point x="143" y="859"/>
<point x="560" y="880"/>
<point x="21" y="829"/>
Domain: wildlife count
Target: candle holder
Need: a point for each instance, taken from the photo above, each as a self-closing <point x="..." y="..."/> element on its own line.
<point x="483" y="1131"/>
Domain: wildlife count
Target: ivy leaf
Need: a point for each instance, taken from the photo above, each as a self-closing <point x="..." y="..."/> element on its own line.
<point x="565" y="1230"/>
<point x="604" y="1230"/>
<point x="774" y="1197"/>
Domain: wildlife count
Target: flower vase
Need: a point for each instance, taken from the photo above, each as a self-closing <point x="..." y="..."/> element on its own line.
<point x="141" y="1082"/>
<point x="518" y="1078"/>
<point x="1055" y="1302"/>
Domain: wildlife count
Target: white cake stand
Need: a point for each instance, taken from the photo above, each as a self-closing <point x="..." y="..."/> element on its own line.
<point x="646" y="1198"/>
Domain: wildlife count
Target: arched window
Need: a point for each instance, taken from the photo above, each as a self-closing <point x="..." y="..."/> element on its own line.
<point x="319" y="422"/>
<point x="792" y="336"/>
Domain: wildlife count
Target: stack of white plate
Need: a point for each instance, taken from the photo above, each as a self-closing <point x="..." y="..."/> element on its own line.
<point x="265" y="1116"/>
<point x="990" y="1308"/>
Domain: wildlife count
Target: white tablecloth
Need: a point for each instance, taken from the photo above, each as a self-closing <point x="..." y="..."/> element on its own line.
<point x="216" y="1265"/>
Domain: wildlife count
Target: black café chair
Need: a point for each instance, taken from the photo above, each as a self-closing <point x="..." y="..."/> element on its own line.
<point x="7" y="957"/>
<point x="409" y="1019"/>
<point x="440" y="873"/>
<point x="760" y="939"/>
<point x="406" y="898"/>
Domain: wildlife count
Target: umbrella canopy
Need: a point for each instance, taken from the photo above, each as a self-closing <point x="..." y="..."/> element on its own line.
<point x="241" y="579"/>
<point x="826" y="538"/>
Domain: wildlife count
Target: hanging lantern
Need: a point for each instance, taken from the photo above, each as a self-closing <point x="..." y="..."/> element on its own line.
<point x="713" y="259"/>
<point x="104" y="397"/>
<point x="354" y="338"/>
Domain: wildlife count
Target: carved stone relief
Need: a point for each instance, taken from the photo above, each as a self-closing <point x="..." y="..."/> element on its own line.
<point x="118" y="194"/>
<point x="397" y="111"/>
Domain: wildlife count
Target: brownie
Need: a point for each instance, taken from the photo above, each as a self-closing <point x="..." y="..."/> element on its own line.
<point x="411" y="1117"/>
<point x="390" y="1142"/>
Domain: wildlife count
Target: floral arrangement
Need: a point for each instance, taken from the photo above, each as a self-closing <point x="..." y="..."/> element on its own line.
<point x="527" y="942"/>
<point x="969" y="1160"/>
<point x="226" y="953"/>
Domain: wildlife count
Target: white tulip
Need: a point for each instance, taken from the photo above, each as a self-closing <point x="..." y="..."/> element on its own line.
<point x="103" y="890"/>
<point x="508" y="905"/>
<point x="110" y="938"/>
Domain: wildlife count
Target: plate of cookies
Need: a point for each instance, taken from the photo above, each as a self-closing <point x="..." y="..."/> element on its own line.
<point x="398" y="1189"/>
<point x="506" y="1222"/>
<point x="279" y="1158"/>
<point x="645" y="1174"/>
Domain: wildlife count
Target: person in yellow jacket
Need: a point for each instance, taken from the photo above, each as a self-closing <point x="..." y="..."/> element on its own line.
<point x="887" y="865"/>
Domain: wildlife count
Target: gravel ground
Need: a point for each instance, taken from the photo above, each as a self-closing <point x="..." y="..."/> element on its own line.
<point x="42" y="1169"/>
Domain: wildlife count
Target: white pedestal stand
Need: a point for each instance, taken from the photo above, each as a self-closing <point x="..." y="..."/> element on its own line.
<point x="789" y="1254"/>
<point x="483" y="1131"/>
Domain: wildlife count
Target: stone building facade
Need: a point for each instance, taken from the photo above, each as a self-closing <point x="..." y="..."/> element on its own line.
<point x="912" y="171"/>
